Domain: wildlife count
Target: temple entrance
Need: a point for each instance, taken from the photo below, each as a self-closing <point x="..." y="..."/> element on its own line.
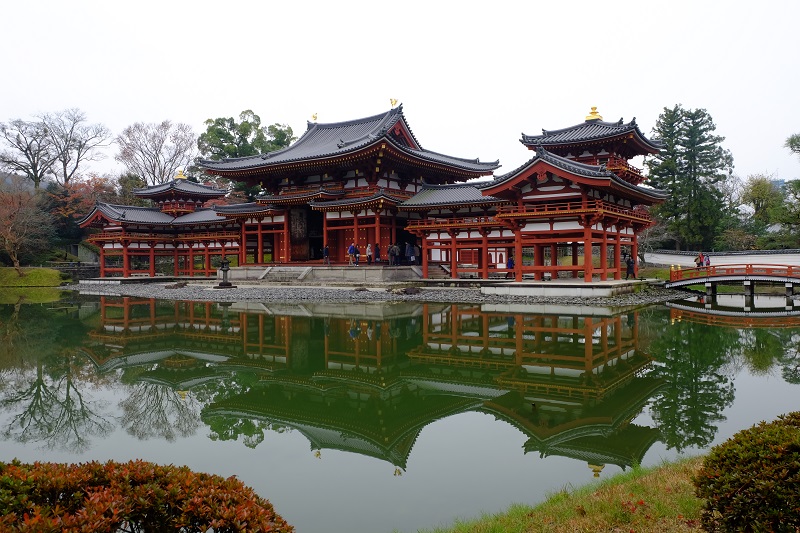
<point x="315" y="234"/>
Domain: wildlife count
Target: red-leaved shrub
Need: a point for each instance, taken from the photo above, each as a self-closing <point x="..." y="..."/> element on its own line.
<point x="136" y="496"/>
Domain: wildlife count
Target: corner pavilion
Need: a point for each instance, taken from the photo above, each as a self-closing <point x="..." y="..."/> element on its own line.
<point x="369" y="181"/>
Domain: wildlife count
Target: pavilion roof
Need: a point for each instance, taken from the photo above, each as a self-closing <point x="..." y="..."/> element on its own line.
<point x="329" y="140"/>
<point x="153" y="216"/>
<point x="590" y="131"/>
<point x="448" y="195"/>
<point x="594" y="172"/>
<point x="379" y="196"/>
<point x="180" y="185"/>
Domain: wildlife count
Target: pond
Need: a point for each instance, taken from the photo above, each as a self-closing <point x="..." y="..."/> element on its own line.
<point x="374" y="417"/>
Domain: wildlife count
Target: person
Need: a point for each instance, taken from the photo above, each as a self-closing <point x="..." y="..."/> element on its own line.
<point x="412" y="254"/>
<point x="707" y="261"/>
<point x="409" y="253"/>
<point x="698" y="261"/>
<point x="510" y="266"/>
<point x="417" y="255"/>
<point x="377" y="252"/>
<point x="357" y="254"/>
<point x="326" y="255"/>
<point x="351" y="253"/>
<point x="369" y="254"/>
<point x="630" y="263"/>
<point x="390" y="252"/>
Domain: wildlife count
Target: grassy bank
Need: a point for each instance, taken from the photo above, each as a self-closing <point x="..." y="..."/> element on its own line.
<point x="34" y="277"/>
<point x="643" y="500"/>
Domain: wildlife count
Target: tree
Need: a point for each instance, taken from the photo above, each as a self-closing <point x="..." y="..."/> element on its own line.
<point x="793" y="143"/>
<point x="73" y="141"/>
<point x="225" y="138"/>
<point x="761" y="193"/>
<point x="154" y="152"/>
<point x="30" y="150"/>
<point x="69" y="203"/>
<point x="690" y="168"/>
<point x="25" y="227"/>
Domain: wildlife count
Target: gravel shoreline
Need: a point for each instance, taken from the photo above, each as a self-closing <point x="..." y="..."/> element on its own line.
<point x="303" y="294"/>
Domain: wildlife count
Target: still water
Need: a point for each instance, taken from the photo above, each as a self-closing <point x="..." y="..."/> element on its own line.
<point x="375" y="417"/>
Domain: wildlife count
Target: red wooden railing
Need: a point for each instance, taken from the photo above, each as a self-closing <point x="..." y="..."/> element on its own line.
<point x="787" y="271"/>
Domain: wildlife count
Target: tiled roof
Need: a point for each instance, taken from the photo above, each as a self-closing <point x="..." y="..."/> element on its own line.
<point x="133" y="214"/>
<point x="238" y="209"/>
<point x="434" y="195"/>
<point x="337" y="138"/>
<point x="591" y="130"/>
<point x="573" y="167"/>
<point x="180" y="185"/>
<point x="199" y="216"/>
<point x="358" y="200"/>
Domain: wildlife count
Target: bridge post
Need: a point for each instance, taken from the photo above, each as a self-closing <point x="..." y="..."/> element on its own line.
<point x="749" y="287"/>
<point x="789" y="289"/>
<point x="711" y="290"/>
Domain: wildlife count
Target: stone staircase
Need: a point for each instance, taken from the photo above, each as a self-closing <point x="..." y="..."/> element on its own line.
<point x="437" y="271"/>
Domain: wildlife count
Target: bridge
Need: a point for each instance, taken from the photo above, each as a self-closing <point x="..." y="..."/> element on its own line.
<point x="746" y="274"/>
<point x="736" y="311"/>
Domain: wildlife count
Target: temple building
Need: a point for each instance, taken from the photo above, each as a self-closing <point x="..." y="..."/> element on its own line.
<point x="573" y="210"/>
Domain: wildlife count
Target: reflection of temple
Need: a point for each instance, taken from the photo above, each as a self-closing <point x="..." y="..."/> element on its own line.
<point x="367" y="384"/>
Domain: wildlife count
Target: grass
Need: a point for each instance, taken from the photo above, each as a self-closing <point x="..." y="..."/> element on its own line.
<point x="33" y="277"/>
<point x="643" y="500"/>
<point x="30" y="295"/>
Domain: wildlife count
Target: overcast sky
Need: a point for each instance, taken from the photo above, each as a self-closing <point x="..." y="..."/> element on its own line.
<point x="472" y="76"/>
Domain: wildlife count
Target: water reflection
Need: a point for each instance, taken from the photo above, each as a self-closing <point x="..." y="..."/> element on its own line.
<point x="367" y="378"/>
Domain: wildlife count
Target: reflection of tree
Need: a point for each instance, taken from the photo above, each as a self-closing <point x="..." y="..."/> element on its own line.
<point x="231" y="428"/>
<point x="48" y="395"/>
<point x="158" y="411"/>
<point x="689" y="358"/>
<point x="790" y="361"/>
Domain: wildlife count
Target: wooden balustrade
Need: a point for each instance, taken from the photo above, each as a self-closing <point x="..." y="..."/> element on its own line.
<point x="786" y="271"/>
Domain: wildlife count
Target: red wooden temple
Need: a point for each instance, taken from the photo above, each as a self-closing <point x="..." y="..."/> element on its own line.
<point x="573" y="210"/>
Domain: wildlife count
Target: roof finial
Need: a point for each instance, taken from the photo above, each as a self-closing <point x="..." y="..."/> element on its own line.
<point x="180" y="175"/>
<point x="393" y="101"/>
<point x="594" y="115"/>
<point x="314" y="117"/>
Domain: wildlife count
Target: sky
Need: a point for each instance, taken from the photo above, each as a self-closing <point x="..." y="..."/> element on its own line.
<point x="472" y="76"/>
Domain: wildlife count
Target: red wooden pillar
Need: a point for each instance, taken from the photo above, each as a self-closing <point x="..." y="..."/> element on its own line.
<point x="554" y="261"/>
<point x="152" y="260"/>
<point x="286" y="254"/>
<point x="423" y="249"/>
<point x="243" y="244"/>
<point x="190" y="266"/>
<point x="538" y="260"/>
<point x="518" y="255"/>
<point x="635" y="255"/>
<point x="617" y="251"/>
<point x="325" y="229"/>
<point x="587" y="253"/>
<point x="102" y="260"/>
<point x="175" y="259"/>
<point x="355" y="230"/>
<point x="453" y="252"/>
<point x="484" y="253"/>
<point x="604" y="255"/>
<point x="126" y="260"/>
<point x="207" y="259"/>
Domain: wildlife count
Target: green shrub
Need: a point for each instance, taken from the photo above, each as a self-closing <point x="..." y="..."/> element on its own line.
<point x="751" y="482"/>
<point x="133" y="496"/>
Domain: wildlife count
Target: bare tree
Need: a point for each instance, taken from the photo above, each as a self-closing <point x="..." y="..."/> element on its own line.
<point x="154" y="152"/>
<point x="29" y="150"/>
<point x="73" y="141"/>
<point x="24" y="226"/>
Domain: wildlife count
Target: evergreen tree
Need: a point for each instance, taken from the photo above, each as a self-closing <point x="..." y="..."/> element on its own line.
<point x="691" y="168"/>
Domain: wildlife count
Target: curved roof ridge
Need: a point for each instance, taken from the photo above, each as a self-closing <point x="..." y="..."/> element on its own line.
<point x="618" y="124"/>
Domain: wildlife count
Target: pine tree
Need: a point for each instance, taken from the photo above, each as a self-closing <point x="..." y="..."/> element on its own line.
<point x="690" y="168"/>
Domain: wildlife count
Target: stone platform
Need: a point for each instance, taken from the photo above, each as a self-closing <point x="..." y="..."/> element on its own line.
<point x="567" y="288"/>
